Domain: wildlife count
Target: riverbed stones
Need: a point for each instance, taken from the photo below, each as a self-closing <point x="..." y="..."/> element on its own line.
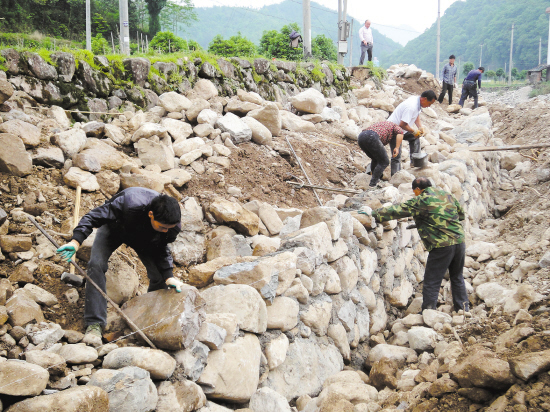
<point x="158" y="363"/>
<point x="266" y="399"/>
<point x="270" y="117"/>
<point x="397" y="353"/>
<point x="282" y="314"/>
<point x="22" y="309"/>
<point x="28" y="133"/>
<point x="71" y="141"/>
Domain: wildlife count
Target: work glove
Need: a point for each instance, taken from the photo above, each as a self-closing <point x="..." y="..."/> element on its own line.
<point x="67" y="251"/>
<point x="417" y="133"/>
<point x="174" y="283"/>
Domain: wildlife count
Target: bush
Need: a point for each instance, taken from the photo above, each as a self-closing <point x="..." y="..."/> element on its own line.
<point x="276" y="44"/>
<point x="168" y="42"/>
<point x="323" y="48"/>
<point x="540" y="89"/>
<point x="234" y="46"/>
<point x="100" y="45"/>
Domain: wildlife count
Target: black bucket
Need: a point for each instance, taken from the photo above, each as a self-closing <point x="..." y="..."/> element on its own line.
<point x="420" y="159"/>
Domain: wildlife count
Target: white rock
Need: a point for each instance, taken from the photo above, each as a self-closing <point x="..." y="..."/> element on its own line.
<point x="266" y="399"/>
<point x="174" y="102"/>
<point x="309" y="101"/>
<point x="240" y="132"/>
<point x="275" y="351"/>
<point x="77" y="177"/>
<point x="421" y="338"/>
<point x="71" y="141"/>
<point x="176" y="128"/>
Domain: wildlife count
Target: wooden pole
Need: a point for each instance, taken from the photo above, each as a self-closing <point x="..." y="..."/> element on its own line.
<point x="303" y="170"/>
<point x="107" y="298"/>
<point x="514" y="147"/>
<point x="76" y="215"/>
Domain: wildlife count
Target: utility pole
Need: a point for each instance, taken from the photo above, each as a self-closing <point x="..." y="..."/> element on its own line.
<point x="511" y="50"/>
<point x="124" y="27"/>
<point x="343" y="30"/>
<point x="88" y="27"/>
<point x="481" y="53"/>
<point x="438" y="39"/>
<point x="306" y="11"/>
<point x="351" y="45"/>
<point x="548" y="55"/>
<point x="540" y="48"/>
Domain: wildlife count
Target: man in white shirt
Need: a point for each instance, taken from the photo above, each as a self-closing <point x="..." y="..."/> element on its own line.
<point x="405" y="116"/>
<point x="365" y="35"/>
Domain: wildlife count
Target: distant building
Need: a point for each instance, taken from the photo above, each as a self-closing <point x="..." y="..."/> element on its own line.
<point x="535" y="75"/>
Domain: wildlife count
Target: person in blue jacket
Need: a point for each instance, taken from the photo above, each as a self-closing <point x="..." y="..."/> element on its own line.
<point x="140" y="218"/>
<point x="469" y="86"/>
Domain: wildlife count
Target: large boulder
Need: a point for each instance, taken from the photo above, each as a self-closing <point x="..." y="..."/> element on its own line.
<point x="290" y="121"/>
<point x="130" y="389"/>
<point x="234" y="215"/>
<point x="19" y="378"/>
<point x="174" y="102"/>
<point x="39" y="67"/>
<point x="309" y="101"/>
<point x="307" y="365"/>
<point x="270" y="117"/>
<point x="260" y="133"/>
<point x="96" y="156"/>
<point x="122" y="281"/>
<point x="266" y="399"/>
<point x="6" y="90"/>
<point x="49" y="157"/>
<point x="232" y="124"/>
<point x="232" y="373"/>
<point x="241" y="300"/>
<point x="178" y="129"/>
<point x="22" y="309"/>
<point x="205" y="89"/>
<point x="181" y="396"/>
<point x="159" y="308"/>
<point x="397" y="353"/>
<point x="28" y="133"/>
<point x="77" y="177"/>
<point x="66" y="65"/>
<point x="80" y="398"/>
<point x="14" y="159"/>
<point x="153" y="153"/>
<point x="138" y="68"/>
<point x="158" y="363"/>
<point x="71" y="141"/>
<point x="482" y="369"/>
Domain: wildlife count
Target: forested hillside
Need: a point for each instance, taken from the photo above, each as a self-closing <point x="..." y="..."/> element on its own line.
<point x="228" y="21"/>
<point x="467" y="25"/>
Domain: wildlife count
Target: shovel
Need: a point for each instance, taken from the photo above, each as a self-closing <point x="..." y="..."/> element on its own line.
<point x="70" y="278"/>
<point x="113" y="304"/>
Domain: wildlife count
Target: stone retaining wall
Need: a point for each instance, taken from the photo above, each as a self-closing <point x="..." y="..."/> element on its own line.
<point x="98" y="84"/>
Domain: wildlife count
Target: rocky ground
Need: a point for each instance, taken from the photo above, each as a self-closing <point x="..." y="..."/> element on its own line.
<point x="291" y="306"/>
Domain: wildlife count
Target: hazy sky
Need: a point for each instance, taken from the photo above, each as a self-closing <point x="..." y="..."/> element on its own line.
<point x="419" y="14"/>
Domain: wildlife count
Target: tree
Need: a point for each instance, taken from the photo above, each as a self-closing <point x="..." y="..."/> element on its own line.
<point x="234" y="46"/>
<point x="168" y="42"/>
<point x="468" y="66"/>
<point x="173" y="15"/>
<point x="323" y="48"/>
<point x="523" y="74"/>
<point x="500" y="72"/>
<point x="276" y="44"/>
<point x="490" y="74"/>
<point x="515" y="73"/>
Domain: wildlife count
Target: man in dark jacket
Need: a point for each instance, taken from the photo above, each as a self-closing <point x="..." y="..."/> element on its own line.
<point x="437" y="215"/>
<point x="469" y="88"/>
<point x="142" y="219"/>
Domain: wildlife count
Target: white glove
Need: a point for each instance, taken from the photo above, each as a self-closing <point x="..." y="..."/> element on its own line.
<point x="174" y="283"/>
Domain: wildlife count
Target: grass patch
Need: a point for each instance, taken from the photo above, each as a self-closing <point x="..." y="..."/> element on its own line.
<point x="540" y="89"/>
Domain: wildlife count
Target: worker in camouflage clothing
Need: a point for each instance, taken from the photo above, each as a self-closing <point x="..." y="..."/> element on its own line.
<point x="437" y="215"/>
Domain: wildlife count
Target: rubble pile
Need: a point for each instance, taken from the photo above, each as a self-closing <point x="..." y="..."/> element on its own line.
<point x="287" y="307"/>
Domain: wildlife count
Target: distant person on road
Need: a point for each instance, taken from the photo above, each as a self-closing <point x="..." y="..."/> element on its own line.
<point x="406" y="115"/>
<point x="437" y="215"/>
<point x="449" y="79"/>
<point x="365" y="35"/>
<point x="372" y="141"/>
<point x="469" y="86"/>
